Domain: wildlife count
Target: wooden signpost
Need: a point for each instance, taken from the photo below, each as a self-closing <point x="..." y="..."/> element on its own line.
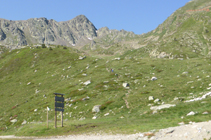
<point x="59" y="106"/>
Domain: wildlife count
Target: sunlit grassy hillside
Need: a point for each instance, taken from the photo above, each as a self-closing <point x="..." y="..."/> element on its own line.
<point x="30" y="76"/>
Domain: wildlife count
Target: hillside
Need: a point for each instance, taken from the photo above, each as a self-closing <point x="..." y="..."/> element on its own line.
<point x="118" y="82"/>
<point x="185" y="34"/>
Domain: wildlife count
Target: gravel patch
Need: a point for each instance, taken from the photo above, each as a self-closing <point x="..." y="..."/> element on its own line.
<point x="192" y="131"/>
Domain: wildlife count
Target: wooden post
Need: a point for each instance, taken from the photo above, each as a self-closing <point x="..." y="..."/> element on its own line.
<point x="62" y="116"/>
<point x="55" y="118"/>
<point x="47" y="117"/>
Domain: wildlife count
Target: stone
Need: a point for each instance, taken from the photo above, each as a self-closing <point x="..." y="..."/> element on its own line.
<point x="95" y="117"/>
<point x="81" y="57"/>
<point x="151" y="98"/>
<point x="87" y="83"/>
<point x="185" y="72"/>
<point x="24" y="122"/>
<point x="156" y="100"/>
<point x="13" y="120"/>
<point x="125" y="85"/>
<point x="162" y="106"/>
<point x="96" y="109"/>
<point x="204" y="113"/>
<point x="191" y="113"/>
<point x="106" y="114"/>
<point x="37" y="91"/>
<point x="84" y="74"/>
<point x="153" y="78"/>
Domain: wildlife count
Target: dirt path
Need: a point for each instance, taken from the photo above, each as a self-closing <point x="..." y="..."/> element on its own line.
<point x="193" y="131"/>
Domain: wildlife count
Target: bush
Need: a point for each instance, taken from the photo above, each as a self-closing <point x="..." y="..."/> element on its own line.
<point x="50" y="49"/>
<point x="43" y="46"/>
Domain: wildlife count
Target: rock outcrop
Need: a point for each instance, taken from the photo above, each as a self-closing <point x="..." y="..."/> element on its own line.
<point x="44" y="31"/>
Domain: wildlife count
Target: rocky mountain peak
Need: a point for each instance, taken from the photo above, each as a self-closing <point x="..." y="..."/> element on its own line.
<point x="44" y="31"/>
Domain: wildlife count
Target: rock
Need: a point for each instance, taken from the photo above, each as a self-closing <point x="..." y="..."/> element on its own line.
<point x="76" y="31"/>
<point x="191" y="113"/>
<point x="156" y="100"/>
<point x="24" y="122"/>
<point x="117" y="58"/>
<point x="87" y="83"/>
<point x="106" y="114"/>
<point x="162" y="106"/>
<point x="153" y="78"/>
<point x="204" y="113"/>
<point x="37" y="91"/>
<point x="125" y="85"/>
<point x="151" y="98"/>
<point x="96" y="109"/>
<point x="13" y="120"/>
<point x="162" y="55"/>
<point x="185" y="72"/>
<point x="95" y="117"/>
<point x="181" y="123"/>
<point x="81" y="57"/>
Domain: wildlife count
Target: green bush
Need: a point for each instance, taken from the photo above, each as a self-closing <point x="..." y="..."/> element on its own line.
<point x="43" y="46"/>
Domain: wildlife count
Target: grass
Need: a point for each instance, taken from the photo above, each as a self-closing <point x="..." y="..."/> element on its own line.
<point x="49" y="71"/>
<point x="30" y="76"/>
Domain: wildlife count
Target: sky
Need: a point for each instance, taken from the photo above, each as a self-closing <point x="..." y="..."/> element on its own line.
<point x="138" y="16"/>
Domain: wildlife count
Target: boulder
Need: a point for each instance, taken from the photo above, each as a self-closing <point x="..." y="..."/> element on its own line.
<point x="154" y="78"/>
<point x="125" y="85"/>
<point x="156" y="100"/>
<point x="13" y="120"/>
<point x="87" y="83"/>
<point x="96" y="109"/>
<point x="95" y="117"/>
<point x="24" y="122"/>
<point x="106" y="114"/>
<point x="162" y="106"/>
<point x="191" y="113"/>
<point x="151" y="98"/>
<point x="81" y="57"/>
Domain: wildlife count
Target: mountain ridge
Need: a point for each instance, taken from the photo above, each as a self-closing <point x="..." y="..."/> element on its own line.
<point x="43" y="31"/>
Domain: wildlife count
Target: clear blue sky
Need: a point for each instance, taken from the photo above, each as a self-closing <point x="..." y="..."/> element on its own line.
<point x="139" y="16"/>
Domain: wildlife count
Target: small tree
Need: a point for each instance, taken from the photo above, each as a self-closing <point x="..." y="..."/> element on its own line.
<point x="43" y="46"/>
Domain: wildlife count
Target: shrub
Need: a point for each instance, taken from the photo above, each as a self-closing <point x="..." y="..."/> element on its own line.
<point x="43" y="46"/>
<point x="50" y="49"/>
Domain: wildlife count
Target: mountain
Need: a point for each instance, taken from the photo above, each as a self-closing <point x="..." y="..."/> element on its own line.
<point x="184" y="34"/>
<point x="43" y="31"/>
<point x="113" y="82"/>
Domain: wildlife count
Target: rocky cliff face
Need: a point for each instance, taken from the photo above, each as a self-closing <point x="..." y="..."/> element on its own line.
<point x="43" y="31"/>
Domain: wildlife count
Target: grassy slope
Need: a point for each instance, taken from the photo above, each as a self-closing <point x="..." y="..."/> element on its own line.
<point x="19" y="100"/>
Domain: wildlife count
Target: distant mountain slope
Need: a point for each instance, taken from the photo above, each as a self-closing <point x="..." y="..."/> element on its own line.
<point x="41" y="30"/>
<point x="186" y="33"/>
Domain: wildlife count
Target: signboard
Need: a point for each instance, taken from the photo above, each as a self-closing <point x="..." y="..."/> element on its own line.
<point x="60" y="99"/>
<point x="59" y="106"/>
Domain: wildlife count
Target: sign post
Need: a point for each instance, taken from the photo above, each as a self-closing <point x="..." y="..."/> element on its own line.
<point x="59" y="106"/>
<point x="48" y="109"/>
